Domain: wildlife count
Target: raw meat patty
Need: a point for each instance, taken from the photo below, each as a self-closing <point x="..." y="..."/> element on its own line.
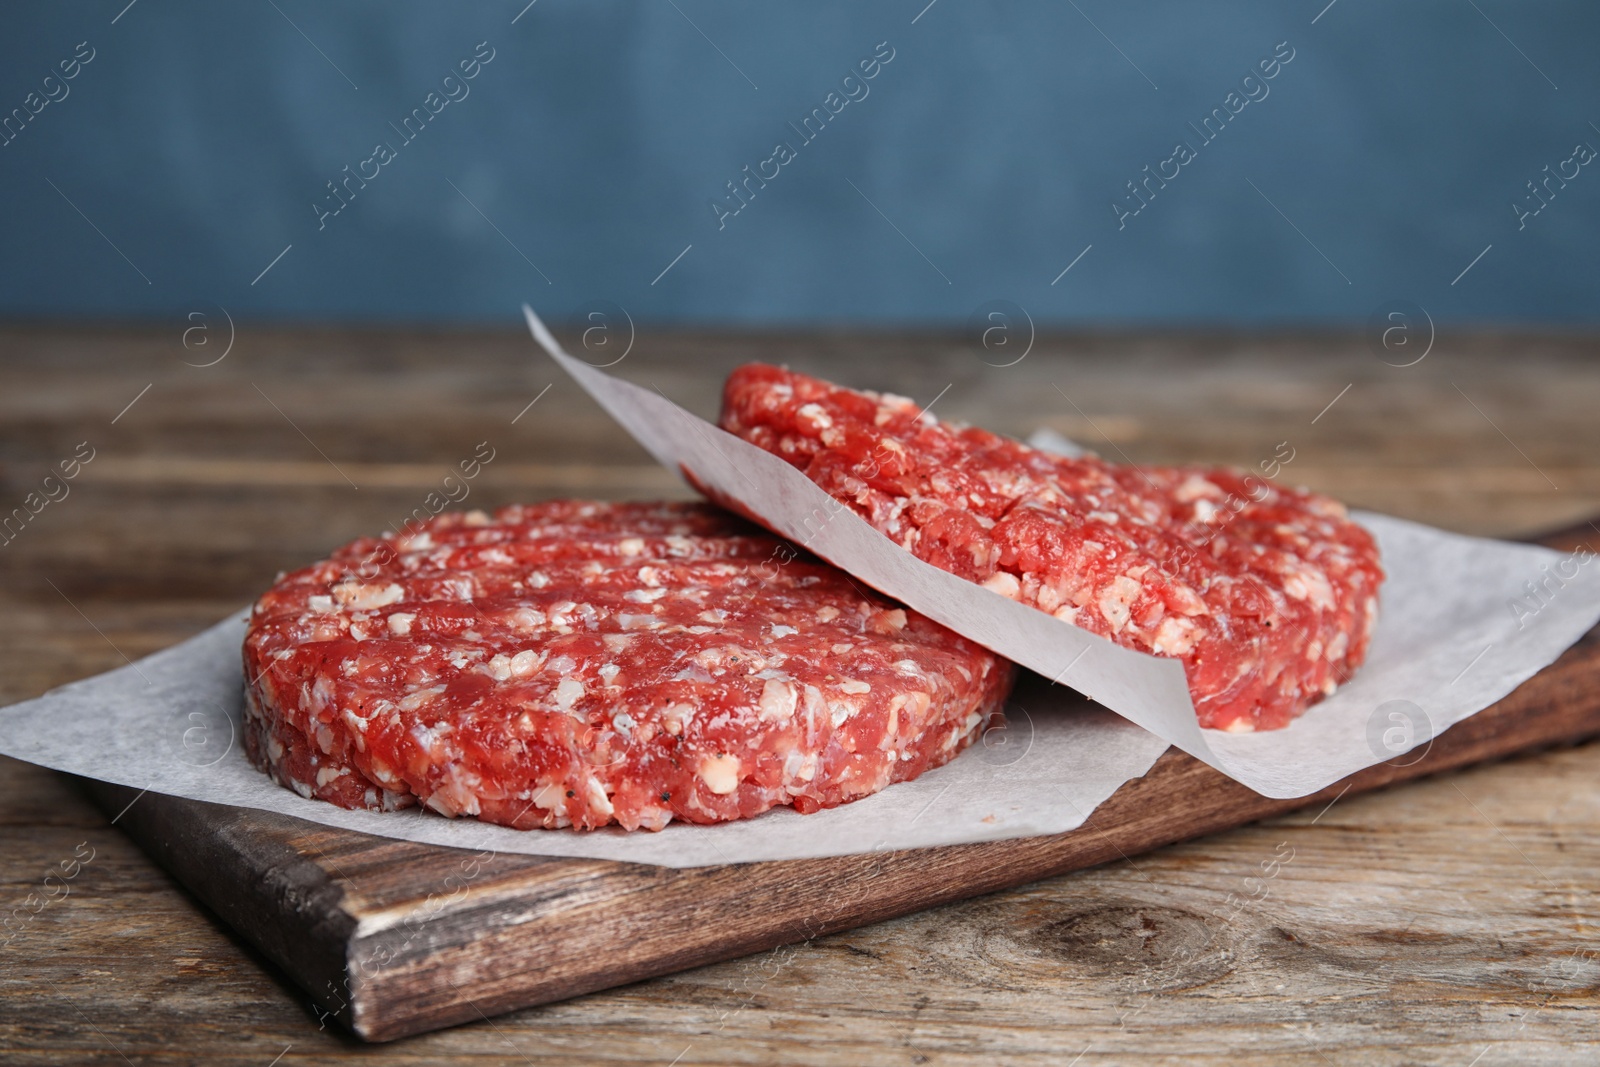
<point x="579" y="664"/>
<point x="1267" y="594"/>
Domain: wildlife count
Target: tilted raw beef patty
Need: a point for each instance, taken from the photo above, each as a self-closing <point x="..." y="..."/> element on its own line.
<point x="1267" y="594"/>
<point x="579" y="664"/>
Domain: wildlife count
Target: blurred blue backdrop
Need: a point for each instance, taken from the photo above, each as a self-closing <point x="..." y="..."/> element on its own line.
<point x="196" y="145"/>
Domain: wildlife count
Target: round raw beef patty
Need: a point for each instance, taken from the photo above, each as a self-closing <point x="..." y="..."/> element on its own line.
<point x="580" y="664"/>
<point x="1268" y="594"/>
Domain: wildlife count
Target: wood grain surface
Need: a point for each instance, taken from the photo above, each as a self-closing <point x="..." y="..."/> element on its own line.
<point x="393" y="939"/>
<point x="1437" y="922"/>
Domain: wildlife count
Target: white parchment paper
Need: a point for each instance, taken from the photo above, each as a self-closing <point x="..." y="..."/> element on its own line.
<point x="170" y="723"/>
<point x="1448" y="641"/>
<point x="1447" y="645"/>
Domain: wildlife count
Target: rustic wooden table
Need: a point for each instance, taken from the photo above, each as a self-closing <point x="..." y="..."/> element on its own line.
<point x="1451" y="921"/>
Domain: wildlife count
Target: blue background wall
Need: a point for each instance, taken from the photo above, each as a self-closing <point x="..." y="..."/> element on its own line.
<point x="986" y="157"/>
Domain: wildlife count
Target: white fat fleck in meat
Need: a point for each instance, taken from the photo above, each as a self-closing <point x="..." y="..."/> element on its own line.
<point x="328" y="774"/>
<point x="631" y="546"/>
<point x="562" y="614"/>
<point x="799" y="766"/>
<point x="568" y="692"/>
<point x="358" y="727"/>
<point x="1195" y="488"/>
<point x="322" y="693"/>
<point x="527" y="620"/>
<point x="778" y="700"/>
<point x="1004" y="583"/>
<point x="624" y="723"/>
<point x="365" y="596"/>
<point x="421" y="698"/>
<point x="780" y="630"/>
<point x="678" y="545"/>
<point x="429" y="738"/>
<point x="673" y="718"/>
<point x="383" y="772"/>
<point x="320" y="604"/>
<point x="645" y="596"/>
<point x="400" y="623"/>
<point x="608" y="672"/>
<point x="638" y="622"/>
<point x="1305" y="582"/>
<point x="915" y="703"/>
<point x="813" y="706"/>
<point x="855" y="686"/>
<point x="693" y="673"/>
<point x="500" y="667"/>
<point x="595" y="793"/>
<point x="552" y="797"/>
<point x="730" y="658"/>
<point x="457" y="792"/>
<point x="720" y="773"/>
<point x="888" y="621"/>
<point x="819" y="418"/>
<point x="1114" y="601"/>
<point x="1048" y="597"/>
<point x="1205" y="510"/>
<point x="840" y="649"/>
<point x="526" y="664"/>
<point x="1188" y="601"/>
<point x="827" y="613"/>
<point x="1175" y="636"/>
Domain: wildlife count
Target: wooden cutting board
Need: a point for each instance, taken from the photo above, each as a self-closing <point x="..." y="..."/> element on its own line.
<point x="394" y="938"/>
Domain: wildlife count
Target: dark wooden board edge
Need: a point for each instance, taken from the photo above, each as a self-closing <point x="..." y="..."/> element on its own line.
<point x="395" y="939"/>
